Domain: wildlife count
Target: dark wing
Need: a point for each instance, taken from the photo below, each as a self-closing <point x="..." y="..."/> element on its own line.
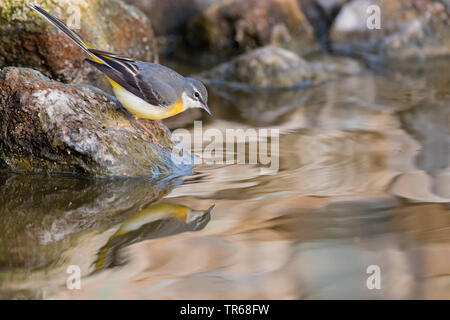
<point x="126" y="73"/>
<point x="111" y="55"/>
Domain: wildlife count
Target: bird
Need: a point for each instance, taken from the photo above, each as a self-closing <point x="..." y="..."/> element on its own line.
<point x="147" y="90"/>
<point x="155" y="221"/>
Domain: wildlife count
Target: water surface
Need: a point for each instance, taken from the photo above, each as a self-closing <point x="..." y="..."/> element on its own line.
<point x="363" y="179"/>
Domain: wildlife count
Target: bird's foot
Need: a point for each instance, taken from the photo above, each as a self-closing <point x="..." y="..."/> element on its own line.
<point x="158" y="124"/>
<point x="149" y="132"/>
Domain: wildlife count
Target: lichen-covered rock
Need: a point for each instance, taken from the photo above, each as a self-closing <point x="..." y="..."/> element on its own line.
<point x="28" y="40"/>
<point x="408" y="28"/>
<point x="231" y="27"/>
<point x="53" y="127"/>
<point x="266" y="67"/>
<point x="170" y="17"/>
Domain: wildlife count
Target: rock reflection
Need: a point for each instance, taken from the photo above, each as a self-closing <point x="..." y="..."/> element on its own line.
<point x="430" y="125"/>
<point x="156" y="221"/>
<point x="41" y="216"/>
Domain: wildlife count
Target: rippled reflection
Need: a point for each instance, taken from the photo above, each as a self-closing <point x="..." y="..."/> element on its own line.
<point x="156" y="221"/>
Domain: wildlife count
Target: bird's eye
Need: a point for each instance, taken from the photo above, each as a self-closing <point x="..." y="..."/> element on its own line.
<point x="196" y="94"/>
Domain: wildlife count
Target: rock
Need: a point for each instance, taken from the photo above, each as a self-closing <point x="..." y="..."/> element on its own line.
<point x="28" y="40"/>
<point x="170" y="17"/>
<point x="271" y="67"/>
<point x="47" y="126"/>
<point x="409" y="28"/>
<point x="267" y="67"/>
<point x="232" y="27"/>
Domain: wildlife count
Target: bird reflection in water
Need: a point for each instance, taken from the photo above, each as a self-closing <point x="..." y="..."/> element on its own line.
<point x="155" y="221"/>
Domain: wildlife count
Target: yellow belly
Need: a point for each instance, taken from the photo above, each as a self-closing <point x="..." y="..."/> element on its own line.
<point x="142" y="109"/>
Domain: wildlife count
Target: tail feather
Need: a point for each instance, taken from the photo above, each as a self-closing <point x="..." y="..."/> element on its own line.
<point x="111" y="55"/>
<point x="63" y="27"/>
<point x="116" y="67"/>
<point x="99" y="56"/>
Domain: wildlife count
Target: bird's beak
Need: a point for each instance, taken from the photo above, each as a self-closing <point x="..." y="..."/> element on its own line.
<point x="205" y="106"/>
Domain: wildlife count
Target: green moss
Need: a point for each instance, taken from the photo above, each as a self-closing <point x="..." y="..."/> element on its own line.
<point x="13" y="11"/>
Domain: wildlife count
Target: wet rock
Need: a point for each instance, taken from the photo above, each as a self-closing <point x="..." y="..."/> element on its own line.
<point x="409" y="28"/>
<point x="276" y="68"/>
<point x="28" y="40"/>
<point x="53" y="127"/>
<point x="170" y="17"/>
<point x="231" y="27"/>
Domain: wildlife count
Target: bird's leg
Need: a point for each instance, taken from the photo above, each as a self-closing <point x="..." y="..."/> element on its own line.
<point x="158" y="124"/>
<point x="149" y="132"/>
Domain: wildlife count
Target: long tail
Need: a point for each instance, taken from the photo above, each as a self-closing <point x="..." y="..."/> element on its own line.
<point x="113" y="60"/>
<point x="115" y="67"/>
<point x="64" y="28"/>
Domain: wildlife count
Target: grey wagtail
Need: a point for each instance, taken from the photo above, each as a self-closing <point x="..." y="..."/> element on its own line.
<point x="154" y="221"/>
<point x="148" y="90"/>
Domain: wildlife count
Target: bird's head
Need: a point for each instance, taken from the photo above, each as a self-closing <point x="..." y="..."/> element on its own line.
<point x="198" y="219"/>
<point x="195" y="95"/>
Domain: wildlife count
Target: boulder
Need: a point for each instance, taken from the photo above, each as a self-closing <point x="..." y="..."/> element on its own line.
<point x="48" y="126"/>
<point x="28" y="40"/>
<point x="232" y="27"/>
<point x="170" y="17"/>
<point x="266" y="67"/>
<point x="414" y="29"/>
<point x="271" y="67"/>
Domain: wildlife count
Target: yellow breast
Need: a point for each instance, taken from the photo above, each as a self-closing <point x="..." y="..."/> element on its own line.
<point x="142" y="109"/>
